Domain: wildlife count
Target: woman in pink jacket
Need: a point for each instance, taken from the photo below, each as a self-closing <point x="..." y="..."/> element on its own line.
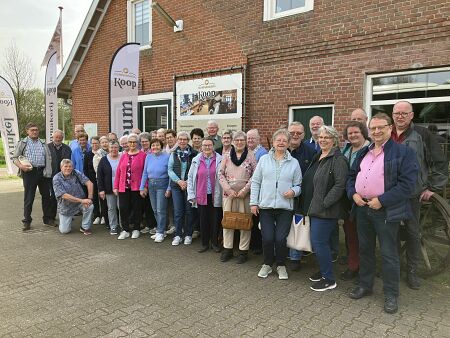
<point x="126" y="186"/>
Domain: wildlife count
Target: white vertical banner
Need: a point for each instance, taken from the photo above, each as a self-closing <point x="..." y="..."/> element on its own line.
<point x="123" y="89"/>
<point x="9" y="125"/>
<point x="51" y="98"/>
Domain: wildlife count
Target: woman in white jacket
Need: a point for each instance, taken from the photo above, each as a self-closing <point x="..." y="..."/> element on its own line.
<point x="275" y="183"/>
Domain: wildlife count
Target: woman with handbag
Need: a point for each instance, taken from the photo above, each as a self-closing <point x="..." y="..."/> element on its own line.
<point x="323" y="195"/>
<point x="205" y="193"/>
<point x="235" y="176"/>
<point x="275" y="183"/>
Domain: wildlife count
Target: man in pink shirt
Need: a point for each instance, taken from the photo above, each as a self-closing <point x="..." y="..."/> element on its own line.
<point x="380" y="183"/>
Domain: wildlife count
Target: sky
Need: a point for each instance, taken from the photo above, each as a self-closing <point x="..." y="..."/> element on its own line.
<point x="31" y="25"/>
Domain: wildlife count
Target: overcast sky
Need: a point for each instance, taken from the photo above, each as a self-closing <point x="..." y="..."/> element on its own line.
<point x="31" y="25"/>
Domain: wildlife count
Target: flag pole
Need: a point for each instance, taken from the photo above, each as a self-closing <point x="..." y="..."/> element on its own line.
<point x="62" y="62"/>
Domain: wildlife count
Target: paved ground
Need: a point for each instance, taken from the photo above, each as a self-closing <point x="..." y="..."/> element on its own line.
<point x="62" y="286"/>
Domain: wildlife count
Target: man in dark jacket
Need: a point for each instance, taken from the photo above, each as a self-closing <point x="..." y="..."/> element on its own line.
<point x="59" y="151"/>
<point x="433" y="176"/>
<point x="380" y="183"/>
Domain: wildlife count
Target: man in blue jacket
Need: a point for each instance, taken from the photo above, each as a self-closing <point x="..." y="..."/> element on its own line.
<point x="381" y="183"/>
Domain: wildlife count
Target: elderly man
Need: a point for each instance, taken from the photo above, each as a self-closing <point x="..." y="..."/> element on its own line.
<point x="314" y="125"/>
<point x="359" y="115"/>
<point x="254" y="143"/>
<point x="58" y="151"/>
<point x="212" y="128"/>
<point x="79" y="129"/>
<point x="34" y="161"/>
<point x="69" y="191"/>
<point x="433" y="176"/>
<point x="380" y="183"/>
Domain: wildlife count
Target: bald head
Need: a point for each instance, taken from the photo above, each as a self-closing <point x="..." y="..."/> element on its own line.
<point x="359" y="115"/>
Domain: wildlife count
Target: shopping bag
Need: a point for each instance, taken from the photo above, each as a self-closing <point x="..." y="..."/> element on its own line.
<point x="299" y="237"/>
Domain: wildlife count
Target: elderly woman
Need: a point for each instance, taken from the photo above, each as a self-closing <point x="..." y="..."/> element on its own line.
<point x="155" y="183"/>
<point x="323" y="199"/>
<point x="227" y="138"/>
<point x="197" y="136"/>
<point x="144" y="141"/>
<point x="357" y="135"/>
<point x="275" y="183"/>
<point x="126" y="186"/>
<point x="235" y="176"/>
<point x="205" y="193"/>
<point x="179" y="164"/>
<point x="106" y="172"/>
<point x="123" y="144"/>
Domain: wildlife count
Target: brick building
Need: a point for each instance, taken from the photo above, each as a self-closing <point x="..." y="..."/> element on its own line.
<point x="298" y="58"/>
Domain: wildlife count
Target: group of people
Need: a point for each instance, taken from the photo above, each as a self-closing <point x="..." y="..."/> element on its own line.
<point x="145" y="181"/>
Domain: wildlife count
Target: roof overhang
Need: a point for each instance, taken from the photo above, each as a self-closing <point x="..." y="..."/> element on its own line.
<point x="81" y="46"/>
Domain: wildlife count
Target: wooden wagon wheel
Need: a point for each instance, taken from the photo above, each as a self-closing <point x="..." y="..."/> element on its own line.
<point x="435" y="221"/>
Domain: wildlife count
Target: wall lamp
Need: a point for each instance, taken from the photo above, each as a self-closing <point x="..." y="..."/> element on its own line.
<point x="177" y="25"/>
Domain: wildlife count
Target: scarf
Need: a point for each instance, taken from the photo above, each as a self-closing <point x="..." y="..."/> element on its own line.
<point x="237" y="162"/>
<point x="183" y="155"/>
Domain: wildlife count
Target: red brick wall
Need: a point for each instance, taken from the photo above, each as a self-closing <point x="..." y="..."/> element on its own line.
<point x="317" y="57"/>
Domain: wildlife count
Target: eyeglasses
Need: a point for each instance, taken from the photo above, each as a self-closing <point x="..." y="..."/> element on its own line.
<point x="207" y="145"/>
<point x="372" y="129"/>
<point x="325" y="137"/>
<point x="132" y="142"/>
<point x="239" y="140"/>
<point x="299" y="133"/>
<point x="400" y="113"/>
<point x="183" y="139"/>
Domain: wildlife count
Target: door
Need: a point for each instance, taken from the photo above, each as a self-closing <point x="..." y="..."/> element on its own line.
<point x="155" y="115"/>
<point x="304" y="114"/>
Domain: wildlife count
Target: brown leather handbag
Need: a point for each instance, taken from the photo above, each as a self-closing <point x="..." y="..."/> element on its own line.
<point x="237" y="221"/>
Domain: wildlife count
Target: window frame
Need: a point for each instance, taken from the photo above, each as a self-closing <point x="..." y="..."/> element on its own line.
<point x="271" y="14"/>
<point x="131" y="33"/>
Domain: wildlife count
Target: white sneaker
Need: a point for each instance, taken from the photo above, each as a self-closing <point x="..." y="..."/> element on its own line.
<point x="145" y="230"/>
<point x="159" y="238"/>
<point x="195" y="234"/>
<point x="96" y="221"/>
<point x="282" y="273"/>
<point x="123" y="235"/>
<point x="135" y="234"/>
<point x="102" y="220"/>
<point x="176" y="241"/>
<point x="265" y="271"/>
<point x="171" y="230"/>
<point x="152" y="231"/>
<point x="187" y="240"/>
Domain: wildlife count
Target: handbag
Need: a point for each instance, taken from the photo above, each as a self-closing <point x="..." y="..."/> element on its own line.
<point x="299" y="237"/>
<point x="237" y="220"/>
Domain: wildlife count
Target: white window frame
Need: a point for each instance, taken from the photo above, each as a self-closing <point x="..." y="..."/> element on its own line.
<point x="158" y="97"/>
<point x="292" y="108"/>
<point x="271" y="14"/>
<point x="368" y="103"/>
<point x="131" y="23"/>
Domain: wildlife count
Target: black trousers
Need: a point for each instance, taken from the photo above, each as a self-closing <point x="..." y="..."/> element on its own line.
<point x="256" y="239"/>
<point x="53" y="206"/>
<point x="31" y="180"/>
<point x="209" y="227"/>
<point x="130" y="202"/>
<point x="413" y="243"/>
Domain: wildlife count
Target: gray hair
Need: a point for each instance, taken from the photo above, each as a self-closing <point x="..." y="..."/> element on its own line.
<point x="296" y="123"/>
<point x="183" y="134"/>
<point x="114" y="143"/>
<point x="122" y="138"/>
<point x="281" y="132"/>
<point x="103" y="138"/>
<point x="228" y="132"/>
<point x="58" y="131"/>
<point x="212" y="123"/>
<point x="239" y="133"/>
<point x="65" y="161"/>
<point x="145" y="135"/>
<point x="332" y="132"/>
<point x="130" y="135"/>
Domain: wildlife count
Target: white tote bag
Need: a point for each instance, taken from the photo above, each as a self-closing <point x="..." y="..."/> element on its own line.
<point x="299" y="237"/>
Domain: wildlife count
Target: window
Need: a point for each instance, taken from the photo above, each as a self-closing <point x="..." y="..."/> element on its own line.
<point x="140" y="22"/>
<point x="428" y="90"/>
<point x="304" y="113"/>
<point x="274" y="9"/>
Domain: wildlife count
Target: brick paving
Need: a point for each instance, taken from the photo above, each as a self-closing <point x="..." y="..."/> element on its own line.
<point x="54" y="285"/>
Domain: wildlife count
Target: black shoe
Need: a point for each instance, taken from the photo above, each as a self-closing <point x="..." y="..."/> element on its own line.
<point x="390" y="304"/>
<point x="413" y="281"/>
<point x="349" y="274"/>
<point x="359" y="292"/>
<point x="242" y="258"/>
<point x="323" y="285"/>
<point x="316" y="277"/>
<point x="216" y="248"/>
<point x="257" y="252"/>
<point x="226" y="255"/>
<point x="26" y="226"/>
<point x="334" y="257"/>
<point x="295" y="265"/>
<point x="50" y="223"/>
<point x="203" y="249"/>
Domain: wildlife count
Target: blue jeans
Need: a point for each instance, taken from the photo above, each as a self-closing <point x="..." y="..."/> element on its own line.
<point x="157" y="188"/>
<point x="372" y="223"/>
<point x="321" y="231"/>
<point x="182" y="212"/>
<point x="275" y="226"/>
<point x="65" y="222"/>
